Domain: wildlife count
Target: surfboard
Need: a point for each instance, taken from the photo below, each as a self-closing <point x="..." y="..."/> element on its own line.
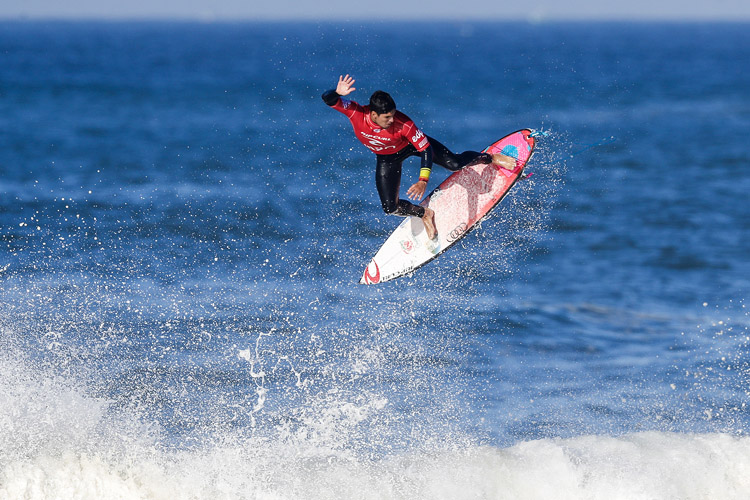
<point x="460" y="203"/>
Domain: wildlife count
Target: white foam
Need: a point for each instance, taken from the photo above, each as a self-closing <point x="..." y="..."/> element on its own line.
<point x="57" y="442"/>
<point x="640" y="466"/>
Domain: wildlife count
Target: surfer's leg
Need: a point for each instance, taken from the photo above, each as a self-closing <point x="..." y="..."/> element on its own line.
<point x="453" y="162"/>
<point x="428" y="219"/>
<point x="388" y="180"/>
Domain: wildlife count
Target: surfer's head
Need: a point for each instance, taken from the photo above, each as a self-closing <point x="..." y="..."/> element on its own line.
<point x="382" y="109"/>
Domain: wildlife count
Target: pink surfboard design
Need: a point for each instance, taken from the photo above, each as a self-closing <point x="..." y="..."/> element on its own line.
<point x="460" y="202"/>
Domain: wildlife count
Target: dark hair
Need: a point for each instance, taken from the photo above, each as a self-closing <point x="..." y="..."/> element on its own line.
<point x="381" y="102"/>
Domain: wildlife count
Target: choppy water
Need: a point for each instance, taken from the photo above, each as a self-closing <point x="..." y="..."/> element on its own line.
<point x="183" y="223"/>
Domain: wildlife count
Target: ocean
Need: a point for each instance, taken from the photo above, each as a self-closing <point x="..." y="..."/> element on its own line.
<point x="183" y="224"/>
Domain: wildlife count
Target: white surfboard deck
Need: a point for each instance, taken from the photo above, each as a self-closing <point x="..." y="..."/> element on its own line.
<point x="460" y="202"/>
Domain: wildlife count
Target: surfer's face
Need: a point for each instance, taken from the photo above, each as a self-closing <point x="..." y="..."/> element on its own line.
<point x="383" y="121"/>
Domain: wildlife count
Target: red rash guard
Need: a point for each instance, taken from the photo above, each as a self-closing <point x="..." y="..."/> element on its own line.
<point x="380" y="141"/>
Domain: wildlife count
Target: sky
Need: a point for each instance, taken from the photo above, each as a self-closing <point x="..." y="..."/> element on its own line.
<point x="534" y="10"/>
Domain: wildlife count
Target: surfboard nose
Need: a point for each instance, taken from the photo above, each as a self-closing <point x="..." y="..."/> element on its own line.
<point x="371" y="275"/>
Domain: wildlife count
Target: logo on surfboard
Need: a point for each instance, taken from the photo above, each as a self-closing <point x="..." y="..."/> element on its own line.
<point x="407" y="246"/>
<point x="457" y="232"/>
<point x="370" y="278"/>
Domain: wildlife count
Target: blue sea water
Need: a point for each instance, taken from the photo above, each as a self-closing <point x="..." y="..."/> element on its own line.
<point x="183" y="223"/>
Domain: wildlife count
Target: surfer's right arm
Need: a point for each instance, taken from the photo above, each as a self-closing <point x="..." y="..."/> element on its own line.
<point x="330" y="97"/>
<point x="343" y="87"/>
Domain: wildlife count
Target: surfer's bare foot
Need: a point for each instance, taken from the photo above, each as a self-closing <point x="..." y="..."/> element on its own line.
<point x="482" y="159"/>
<point x="504" y="161"/>
<point x="428" y="219"/>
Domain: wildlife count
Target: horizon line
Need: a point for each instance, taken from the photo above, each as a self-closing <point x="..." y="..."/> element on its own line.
<point x="208" y="19"/>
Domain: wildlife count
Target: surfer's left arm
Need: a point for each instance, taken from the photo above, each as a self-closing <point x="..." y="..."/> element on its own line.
<point x="421" y="143"/>
<point x="417" y="190"/>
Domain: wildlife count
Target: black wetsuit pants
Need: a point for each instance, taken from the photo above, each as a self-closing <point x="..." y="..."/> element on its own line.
<point x="388" y="175"/>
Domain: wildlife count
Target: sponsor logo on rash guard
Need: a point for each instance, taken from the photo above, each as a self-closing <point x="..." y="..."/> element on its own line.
<point x="378" y="139"/>
<point x="369" y="136"/>
<point x="375" y="143"/>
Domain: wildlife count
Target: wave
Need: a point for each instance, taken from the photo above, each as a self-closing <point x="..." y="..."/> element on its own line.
<point x="650" y="465"/>
<point x="57" y="441"/>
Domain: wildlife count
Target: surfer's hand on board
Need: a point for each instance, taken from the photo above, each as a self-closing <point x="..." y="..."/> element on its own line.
<point x="416" y="191"/>
<point x="344" y="86"/>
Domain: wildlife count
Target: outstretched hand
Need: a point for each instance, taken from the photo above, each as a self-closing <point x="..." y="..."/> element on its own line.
<point x="344" y="86"/>
<point x="416" y="191"/>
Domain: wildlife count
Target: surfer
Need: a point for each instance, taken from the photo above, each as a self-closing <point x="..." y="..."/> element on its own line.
<point x="393" y="137"/>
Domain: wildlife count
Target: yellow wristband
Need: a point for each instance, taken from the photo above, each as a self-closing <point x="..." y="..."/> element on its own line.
<point x="424" y="174"/>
